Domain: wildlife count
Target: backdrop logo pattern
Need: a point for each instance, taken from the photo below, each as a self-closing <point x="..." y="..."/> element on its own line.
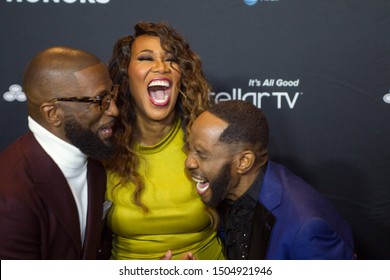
<point x="61" y="1"/>
<point x="250" y="2"/>
<point x="253" y="2"/>
<point x="386" y="97"/>
<point x="15" y="92"/>
<point x="281" y="92"/>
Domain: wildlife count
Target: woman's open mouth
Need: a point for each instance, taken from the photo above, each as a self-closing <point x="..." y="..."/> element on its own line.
<point x="159" y="91"/>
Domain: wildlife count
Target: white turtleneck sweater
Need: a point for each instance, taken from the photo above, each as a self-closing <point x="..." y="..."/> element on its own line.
<point x="73" y="164"/>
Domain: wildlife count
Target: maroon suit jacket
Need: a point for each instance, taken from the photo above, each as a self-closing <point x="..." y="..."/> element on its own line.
<point x="38" y="214"/>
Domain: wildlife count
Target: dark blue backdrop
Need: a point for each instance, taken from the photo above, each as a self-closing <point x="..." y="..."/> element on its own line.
<point x="319" y="69"/>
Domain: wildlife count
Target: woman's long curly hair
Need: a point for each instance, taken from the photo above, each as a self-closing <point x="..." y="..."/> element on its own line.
<point x="193" y="100"/>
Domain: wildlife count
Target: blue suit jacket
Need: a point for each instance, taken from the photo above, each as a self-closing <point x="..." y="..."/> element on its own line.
<point x="293" y="221"/>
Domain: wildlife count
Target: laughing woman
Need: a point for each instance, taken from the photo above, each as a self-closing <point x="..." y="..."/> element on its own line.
<point x="155" y="205"/>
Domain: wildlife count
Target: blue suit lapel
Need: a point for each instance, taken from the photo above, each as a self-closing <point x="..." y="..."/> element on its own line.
<point x="271" y="190"/>
<point x="263" y="221"/>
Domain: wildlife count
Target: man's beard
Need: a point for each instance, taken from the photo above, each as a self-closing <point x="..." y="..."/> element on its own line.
<point x="87" y="141"/>
<point x="219" y="186"/>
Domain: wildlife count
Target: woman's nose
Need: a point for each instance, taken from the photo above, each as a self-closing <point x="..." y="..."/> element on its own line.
<point x="161" y="66"/>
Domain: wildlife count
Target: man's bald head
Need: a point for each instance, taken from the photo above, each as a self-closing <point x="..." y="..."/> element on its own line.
<point x="51" y="74"/>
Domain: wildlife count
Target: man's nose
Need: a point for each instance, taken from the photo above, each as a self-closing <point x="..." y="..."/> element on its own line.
<point x="191" y="162"/>
<point x="112" y="109"/>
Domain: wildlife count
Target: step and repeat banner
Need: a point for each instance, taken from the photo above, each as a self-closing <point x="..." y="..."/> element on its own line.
<point x="320" y="70"/>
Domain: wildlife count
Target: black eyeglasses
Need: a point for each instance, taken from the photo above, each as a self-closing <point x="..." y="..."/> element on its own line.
<point x="104" y="100"/>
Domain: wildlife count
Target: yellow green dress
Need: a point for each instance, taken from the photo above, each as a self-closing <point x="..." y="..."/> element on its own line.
<point x="177" y="219"/>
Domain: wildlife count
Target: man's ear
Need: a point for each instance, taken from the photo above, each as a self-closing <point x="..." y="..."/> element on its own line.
<point x="52" y="114"/>
<point x="246" y="160"/>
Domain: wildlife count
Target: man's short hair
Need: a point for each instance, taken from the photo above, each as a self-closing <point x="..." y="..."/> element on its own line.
<point x="246" y="123"/>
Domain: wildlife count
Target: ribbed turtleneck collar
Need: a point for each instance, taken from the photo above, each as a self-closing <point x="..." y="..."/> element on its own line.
<point x="63" y="153"/>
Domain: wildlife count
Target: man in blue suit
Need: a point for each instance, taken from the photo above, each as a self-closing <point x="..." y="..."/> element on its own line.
<point x="266" y="211"/>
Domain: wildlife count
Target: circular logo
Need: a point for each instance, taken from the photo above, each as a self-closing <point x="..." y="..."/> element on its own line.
<point x="9" y="96"/>
<point x="250" y="2"/>
<point x="15" y="88"/>
<point x="15" y="92"/>
<point x="386" y="98"/>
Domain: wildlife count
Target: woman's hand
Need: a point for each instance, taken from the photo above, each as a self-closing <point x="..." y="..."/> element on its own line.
<point x="187" y="256"/>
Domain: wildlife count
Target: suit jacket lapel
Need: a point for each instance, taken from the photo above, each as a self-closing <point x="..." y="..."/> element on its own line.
<point x="52" y="186"/>
<point x="263" y="221"/>
<point x="96" y="189"/>
<point x="269" y="199"/>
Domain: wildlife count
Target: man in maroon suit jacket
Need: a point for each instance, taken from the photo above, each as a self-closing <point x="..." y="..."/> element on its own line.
<point x="52" y="183"/>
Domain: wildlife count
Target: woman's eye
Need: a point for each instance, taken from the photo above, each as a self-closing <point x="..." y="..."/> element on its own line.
<point x="145" y="57"/>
